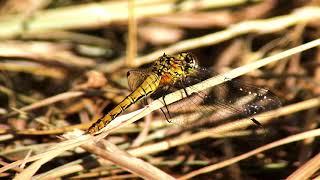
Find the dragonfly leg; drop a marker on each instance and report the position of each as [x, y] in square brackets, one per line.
[185, 91]
[166, 106]
[256, 122]
[184, 87]
[165, 115]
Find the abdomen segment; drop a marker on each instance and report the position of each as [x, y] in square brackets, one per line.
[149, 85]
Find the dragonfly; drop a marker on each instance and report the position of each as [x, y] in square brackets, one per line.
[169, 73]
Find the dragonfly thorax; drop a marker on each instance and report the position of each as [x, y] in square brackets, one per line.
[174, 68]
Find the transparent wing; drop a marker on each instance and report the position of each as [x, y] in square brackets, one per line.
[236, 100]
[229, 101]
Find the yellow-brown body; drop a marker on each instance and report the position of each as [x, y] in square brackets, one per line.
[165, 71]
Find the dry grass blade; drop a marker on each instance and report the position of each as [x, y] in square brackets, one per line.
[99, 14]
[44, 52]
[75, 140]
[263, 119]
[32, 68]
[257, 26]
[290, 139]
[52, 152]
[46, 102]
[132, 39]
[122, 159]
[126, 161]
[306, 170]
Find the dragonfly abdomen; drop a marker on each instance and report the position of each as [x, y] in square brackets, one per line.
[149, 85]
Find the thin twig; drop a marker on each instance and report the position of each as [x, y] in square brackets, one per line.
[287, 140]
[263, 119]
[254, 26]
[99, 15]
[306, 170]
[132, 35]
[46, 102]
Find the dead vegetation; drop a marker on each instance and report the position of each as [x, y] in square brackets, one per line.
[64, 62]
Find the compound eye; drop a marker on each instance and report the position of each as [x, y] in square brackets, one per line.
[190, 59]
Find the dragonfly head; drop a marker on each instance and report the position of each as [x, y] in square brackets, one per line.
[173, 68]
[189, 62]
